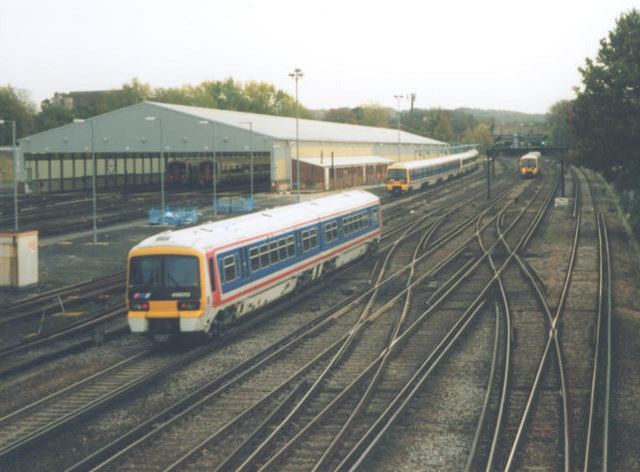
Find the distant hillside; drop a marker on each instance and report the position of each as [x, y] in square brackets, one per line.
[504, 116]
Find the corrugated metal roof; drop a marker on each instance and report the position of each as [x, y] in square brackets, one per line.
[284, 128]
[348, 161]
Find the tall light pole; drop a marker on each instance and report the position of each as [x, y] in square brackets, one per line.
[398, 98]
[159, 120]
[250, 123]
[15, 172]
[93, 176]
[296, 75]
[214, 175]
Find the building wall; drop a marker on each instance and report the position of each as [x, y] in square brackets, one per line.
[314, 149]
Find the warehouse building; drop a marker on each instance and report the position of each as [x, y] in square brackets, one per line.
[127, 148]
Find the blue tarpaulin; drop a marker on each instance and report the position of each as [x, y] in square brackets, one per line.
[174, 216]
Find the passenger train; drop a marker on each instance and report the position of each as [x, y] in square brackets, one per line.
[196, 280]
[404, 177]
[529, 165]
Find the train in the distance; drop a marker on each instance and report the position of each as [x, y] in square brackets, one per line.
[230, 170]
[529, 165]
[404, 177]
[198, 279]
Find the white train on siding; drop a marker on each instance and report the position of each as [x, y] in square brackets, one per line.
[196, 279]
[404, 177]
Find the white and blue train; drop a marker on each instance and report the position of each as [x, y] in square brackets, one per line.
[198, 279]
[403, 177]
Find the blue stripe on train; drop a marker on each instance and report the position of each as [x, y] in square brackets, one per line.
[246, 276]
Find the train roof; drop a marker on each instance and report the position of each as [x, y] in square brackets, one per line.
[531, 155]
[434, 161]
[228, 232]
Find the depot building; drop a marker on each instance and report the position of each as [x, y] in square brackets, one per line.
[133, 145]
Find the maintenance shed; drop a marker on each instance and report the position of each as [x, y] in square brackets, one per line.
[128, 151]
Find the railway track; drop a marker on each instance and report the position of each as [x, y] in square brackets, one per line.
[19, 444]
[39, 430]
[112, 457]
[104, 326]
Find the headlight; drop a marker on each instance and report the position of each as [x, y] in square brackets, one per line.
[139, 306]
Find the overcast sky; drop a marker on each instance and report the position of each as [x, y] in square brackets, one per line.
[512, 55]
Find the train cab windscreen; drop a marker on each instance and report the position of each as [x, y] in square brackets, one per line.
[162, 277]
[528, 163]
[397, 174]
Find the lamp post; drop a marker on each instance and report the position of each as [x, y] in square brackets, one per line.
[15, 172]
[93, 176]
[213, 169]
[398, 98]
[250, 123]
[159, 120]
[296, 75]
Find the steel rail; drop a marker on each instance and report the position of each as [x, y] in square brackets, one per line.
[378, 430]
[552, 336]
[337, 357]
[487, 396]
[596, 350]
[424, 240]
[256, 453]
[506, 366]
[394, 345]
[606, 421]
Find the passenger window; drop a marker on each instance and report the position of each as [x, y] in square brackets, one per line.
[282, 244]
[264, 255]
[309, 239]
[291, 248]
[273, 252]
[254, 259]
[229, 268]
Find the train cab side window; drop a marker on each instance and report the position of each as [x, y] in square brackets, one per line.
[229, 268]
[375, 217]
[212, 275]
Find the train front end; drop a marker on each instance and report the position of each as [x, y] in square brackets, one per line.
[397, 180]
[529, 167]
[166, 291]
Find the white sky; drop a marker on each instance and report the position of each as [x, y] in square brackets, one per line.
[512, 55]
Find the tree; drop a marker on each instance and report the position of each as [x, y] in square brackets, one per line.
[16, 105]
[481, 135]
[607, 105]
[558, 119]
[52, 115]
[373, 114]
[443, 130]
[341, 115]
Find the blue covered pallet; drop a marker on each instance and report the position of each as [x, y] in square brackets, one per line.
[234, 204]
[174, 216]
